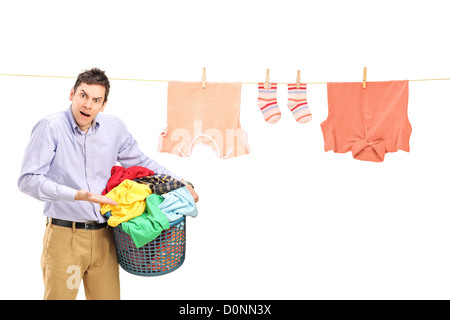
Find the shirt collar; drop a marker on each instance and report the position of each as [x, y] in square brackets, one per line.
[73, 124]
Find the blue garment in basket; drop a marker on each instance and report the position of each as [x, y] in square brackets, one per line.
[178, 203]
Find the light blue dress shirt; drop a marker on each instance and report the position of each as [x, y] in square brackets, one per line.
[61, 159]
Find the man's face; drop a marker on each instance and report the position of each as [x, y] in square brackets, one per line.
[87, 102]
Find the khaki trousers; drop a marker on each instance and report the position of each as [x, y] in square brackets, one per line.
[71, 255]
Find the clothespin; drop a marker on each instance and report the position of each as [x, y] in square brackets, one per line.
[298, 79]
[267, 84]
[203, 78]
[364, 77]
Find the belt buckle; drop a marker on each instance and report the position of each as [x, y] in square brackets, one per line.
[89, 225]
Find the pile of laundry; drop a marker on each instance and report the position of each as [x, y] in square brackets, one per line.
[147, 202]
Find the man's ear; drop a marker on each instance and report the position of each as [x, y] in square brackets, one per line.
[103, 107]
[72, 92]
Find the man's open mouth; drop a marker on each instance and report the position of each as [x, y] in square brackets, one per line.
[85, 114]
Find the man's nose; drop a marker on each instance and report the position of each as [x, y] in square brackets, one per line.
[88, 104]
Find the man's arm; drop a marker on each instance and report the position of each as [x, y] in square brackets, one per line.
[39, 154]
[131, 155]
[33, 179]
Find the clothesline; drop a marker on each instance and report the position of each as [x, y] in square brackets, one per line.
[150, 80]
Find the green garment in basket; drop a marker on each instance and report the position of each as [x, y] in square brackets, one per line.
[149, 225]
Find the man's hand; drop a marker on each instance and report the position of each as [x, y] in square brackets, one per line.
[84, 195]
[191, 190]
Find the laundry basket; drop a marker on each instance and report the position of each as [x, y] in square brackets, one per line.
[164, 254]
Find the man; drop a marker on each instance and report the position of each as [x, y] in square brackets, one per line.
[67, 164]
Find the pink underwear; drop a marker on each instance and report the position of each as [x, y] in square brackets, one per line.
[208, 116]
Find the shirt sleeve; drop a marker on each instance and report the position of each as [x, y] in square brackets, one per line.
[131, 155]
[39, 154]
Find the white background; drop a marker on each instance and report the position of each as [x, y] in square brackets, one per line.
[288, 221]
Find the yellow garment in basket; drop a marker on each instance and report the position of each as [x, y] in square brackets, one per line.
[130, 197]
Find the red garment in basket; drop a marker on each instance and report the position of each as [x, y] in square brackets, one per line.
[118, 174]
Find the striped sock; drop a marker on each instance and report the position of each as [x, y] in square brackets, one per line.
[267, 103]
[297, 103]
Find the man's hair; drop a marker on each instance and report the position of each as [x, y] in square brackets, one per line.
[93, 76]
